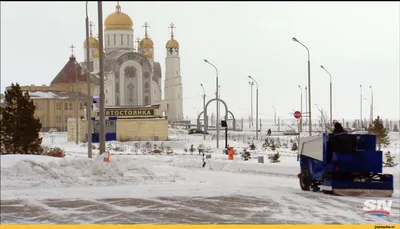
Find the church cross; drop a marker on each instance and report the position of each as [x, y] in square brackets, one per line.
[91, 25]
[146, 25]
[172, 27]
[72, 49]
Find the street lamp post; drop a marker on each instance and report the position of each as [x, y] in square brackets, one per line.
[330, 95]
[301, 109]
[101, 60]
[305, 89]
[89, 101]
[274, 115]
[204, 109]
[256, 106]
[251, 96]
[217, 98]
[372, 105]
[361, 104]
[309, 86]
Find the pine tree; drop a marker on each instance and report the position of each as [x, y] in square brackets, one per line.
[347, 124]
[395, 128]
[382, 138]
[19, 128]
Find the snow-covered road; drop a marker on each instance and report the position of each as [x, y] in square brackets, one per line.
[168, 190]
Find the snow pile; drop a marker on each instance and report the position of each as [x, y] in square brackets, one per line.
[20, 171]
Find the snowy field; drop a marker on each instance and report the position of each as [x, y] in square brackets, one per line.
[172, 189]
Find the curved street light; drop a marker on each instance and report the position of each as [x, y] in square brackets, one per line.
[256, 106]
[330, 94]
[217, 98]
[309, 85]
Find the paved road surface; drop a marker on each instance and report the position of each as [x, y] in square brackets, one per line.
[167, 210]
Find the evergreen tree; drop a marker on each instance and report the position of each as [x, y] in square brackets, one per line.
[19, 128]
[395, 128]
[382, 138]
[390, 125]
[347, 124]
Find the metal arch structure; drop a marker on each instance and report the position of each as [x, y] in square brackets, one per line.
[205, 116]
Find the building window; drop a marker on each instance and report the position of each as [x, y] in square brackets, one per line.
[127, 38]
[108, 40]
[167, 106]
[122, 39]
[115, 39]
[106, 91]
[58, 105]
[70, 106]
[65, 106]
[146, 86]
[106, 101]
[146, 100]
[81, 105]
[58, 119]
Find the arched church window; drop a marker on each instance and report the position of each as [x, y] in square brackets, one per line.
[127, 38]
[108, 39]
[122, 39]
[115, 39]
[170, 50]
[146, 86]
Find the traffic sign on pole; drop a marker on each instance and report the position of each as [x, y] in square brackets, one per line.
[297, 114]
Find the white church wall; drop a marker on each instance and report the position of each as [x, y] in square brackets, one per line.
[137, 81]
[113, 39]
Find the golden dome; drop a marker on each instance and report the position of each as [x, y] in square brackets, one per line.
[96, 54]
[93, 43]
[172, 44]
[118, 20]
[146, 43]
[148, 54]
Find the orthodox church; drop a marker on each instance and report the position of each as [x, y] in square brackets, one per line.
[132, 76]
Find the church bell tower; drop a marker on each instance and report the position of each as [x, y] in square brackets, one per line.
[173, 81]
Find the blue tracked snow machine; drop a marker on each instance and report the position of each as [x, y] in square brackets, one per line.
[344, 164]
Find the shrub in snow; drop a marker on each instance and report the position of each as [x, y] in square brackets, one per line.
[273, 145]
[192, 149]
[185, 149]
[201, 148]
[252, 146]
[274, 158]
[389, 160]
[246, 155]
[295, 147]
[53, 152]
[169, 150]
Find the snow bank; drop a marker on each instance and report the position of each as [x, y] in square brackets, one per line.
[26, 171]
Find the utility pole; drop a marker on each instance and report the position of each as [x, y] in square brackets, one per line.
[330, 96]
[306, 103]
[361, 99]
[89, 101]
[251, 112]
[101, 60]
[204, 109]
[372, 105]
[301, 109]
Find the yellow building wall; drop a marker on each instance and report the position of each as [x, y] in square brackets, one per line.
[142, 129]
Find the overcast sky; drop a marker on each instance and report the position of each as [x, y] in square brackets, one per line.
[358, 43]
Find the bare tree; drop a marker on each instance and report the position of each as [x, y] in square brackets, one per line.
[325, 125]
